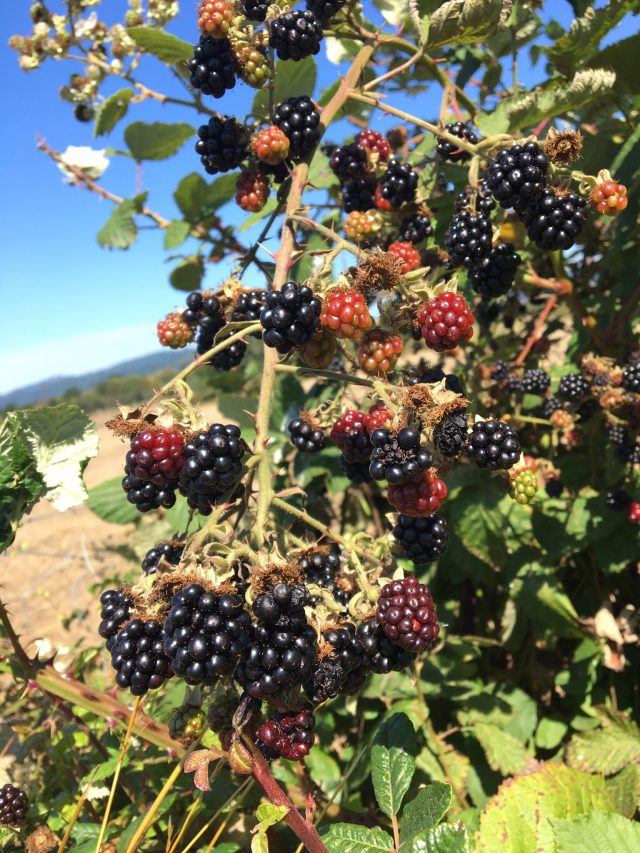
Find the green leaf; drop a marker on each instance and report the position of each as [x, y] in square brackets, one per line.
[446, 838]
[392, 762]
[550, 732]
[606, 750]
[426, 810]
[21, 484]
[113, 109]
[109, 502]
[161, 44]
[267, 210]
[624, 790]
[156, 141]
[188, 274]
[176, 233]
[464, 22]
[621, 57]
[190, 195]
[291, 79]
[600, 832]
[324, 770]
[351, 838]
[269, 815]
[120, 230]
[505, 753]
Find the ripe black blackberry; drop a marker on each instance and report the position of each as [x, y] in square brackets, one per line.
[551, 405]
[513, 383]
[320, 568]
[421, 539]
[397, 458]
[205, 634]
[304, 437]
[495, 275]
[416, 228]
[278, 173]
[629, 452]
[13, 805]
[468, 238]
[554, 221]
[356, 471]
[330, 674]
[324, 10]
[227, 358]
[116, 609]
[573, 387]
[554, 487]
[618, 435]
[429, 375]
[280, 656]
[517, 175]
[382, 655]
[299, 119]
[398, 184]
[295, 35]
[493, 445]
[170, 551]
[450, 434]
[500, 371]
[358, 195]
[84, 112]
[535, 381]
[448, 150]
[617, 499]
[631, 377]
[213, 68]
[348, 162]
[147, 496]
[483, 199]
[255, 10]
[407, 614]
[205, 311]
[138, 657]
[248, 307]
[212, 466]
[223, 144]
[289, 317]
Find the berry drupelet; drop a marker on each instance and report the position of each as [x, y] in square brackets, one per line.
[450, 434]
[416, 228]
[156, 456]
[494, 275]
[304, 436]
[535, 381]
[573, 387]
[138, 657]
[445, 321]
[407, 614]
[448, 150]
[398, 184]
[287, 735]
[213, 466]
[299, 119]
[358, 195]
[223, 144]
[147, 496]
[205, 634]
[553, 221]
[116, 609]
[631, 377]
[399, 457]
[171, 552]
[493, 445]
[295, 35]
[468, 238]
[349, 162]
[517, 175]
[421, 539]
[13, 805]
[213, 68]
[289, 317]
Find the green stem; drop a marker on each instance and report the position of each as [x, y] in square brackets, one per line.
[300, 370]
[329, 234]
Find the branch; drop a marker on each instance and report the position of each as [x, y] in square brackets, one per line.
[551, 303]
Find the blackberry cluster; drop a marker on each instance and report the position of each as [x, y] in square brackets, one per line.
[146, 496]
[348, 162]
[407, 614]
[255, 10]
[330, 675]
[573, 387]
[358, 195]
[631, 377]
[280, 656]
[416, 228]
[398, 184]
[212, 467]
[554, 221]
[223, 144]
[213, 67]
[484, 202]
[495, 274]
[138, 657]
[554, 487]
[248, 307]
[422, 539]
[321, 568]
[382, 655]
[171, 552]
[397, 458]
[324, 10]
[468, 238]
[305, 437]
[13, 805]
[517, 175]
[448, 150]
[290, 316]
[116, 609]
[299, 120]
[493, 445]
[156, 456]
[295, 35]
[450, 434]
[617, 499]
[205, 634]
[550, 405]
[287, 735]
[535, 381]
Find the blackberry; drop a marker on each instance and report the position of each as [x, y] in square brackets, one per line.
[436, 374]
[357, 472]
[278, 173]
[629, 452]
[248, 307]
[299, 119]
[348, 162]
[535, 381]
[305, 437]
[573, 387]
[483, 199]
[587, 410]
[617, 499]
[84, 112]
[450, 434]
[468, 238]
[500, 371]
[156, 456]
[213, 67]
[398, 184]
[631, 377]
[204, 310]
[212, 467]
[549, 406]
[290, 316]
[330, 674]
[517, 175]
[416, 228]
[223, 144]
[138, 657]
[228, 358]
[397, 458]
[255, 10]
[554, 487]
[13, 805]
[493, 445]
[495, 274]
[170, 551]
[358, 195]
[116, 609]
[448, 150]
[287, 735]
[554, 221]
[513, 383]
[324, 10]
[421, 539]
[147, 496]
[382, 655]
[295, 35]
[280, 656]
[320, 568]
[407, 614]
[205, 634]
[618, 435]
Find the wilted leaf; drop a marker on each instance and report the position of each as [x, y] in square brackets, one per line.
[197, 762]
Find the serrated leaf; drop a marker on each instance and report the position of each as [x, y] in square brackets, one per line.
[624, 790]
[464, 21]
[112, 111]
[176, 233]
[21, 484]
[120, 230]
[291, 79]
[268, 814]
[161, 44]
[190, 195]
[621, 58]
[505, 753]
[351, 838]
[156, 141]
[600, 832]
[606, 750]
[426, 810]
[446, 838]
[392, 762]
[109, 502]
[188, 274]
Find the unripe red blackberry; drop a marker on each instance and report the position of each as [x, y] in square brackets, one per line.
[372, 141]
[398, 184]
[445, 321]
[358, 195]
[299, 119]
[349, 162]
[517, 175]
[397, 458]
[223, 144]
[421, 539]
[170, 552]
[252, 191]
[13, 805]
[495, 274]
[304, 436]
[346, 313]
[406, 254]
[448, 150]
[295, 35]
[408, 615]
[214, 17]
[271, 145]
[450, 434]
[416, 228]
[493, 445]
[213, 66]
[380, 202]
[289, 735]
[174, 332]
[468, 238]
[609, 198]
[147, 496]
[289, 317]
[378, 352]
[212, 466]
[156, 455]
[138, 657]
[116, 609]
[420, 497]
[554, 220]
[377, 417]
[351, 434]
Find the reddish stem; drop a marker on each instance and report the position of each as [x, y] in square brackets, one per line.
[551, 303]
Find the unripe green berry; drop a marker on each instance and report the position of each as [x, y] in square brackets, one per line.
[523, 486]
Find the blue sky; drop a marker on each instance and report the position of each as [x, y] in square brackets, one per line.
[70, 306]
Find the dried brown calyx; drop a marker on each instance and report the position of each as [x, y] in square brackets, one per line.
[563, 146]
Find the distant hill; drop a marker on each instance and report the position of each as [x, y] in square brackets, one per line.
[56, 386]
